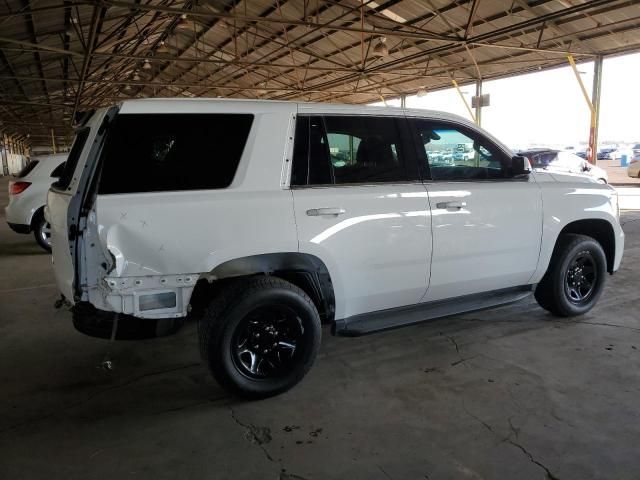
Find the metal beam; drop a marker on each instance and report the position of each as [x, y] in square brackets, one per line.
[595, 101]
[280, 21]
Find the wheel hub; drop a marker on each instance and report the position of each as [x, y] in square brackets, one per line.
[581, 277]
[265, 344]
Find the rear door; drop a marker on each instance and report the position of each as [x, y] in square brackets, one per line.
[487, 226]
[361, 208]
[66, 198]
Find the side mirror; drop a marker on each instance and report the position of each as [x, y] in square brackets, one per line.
[520, 166]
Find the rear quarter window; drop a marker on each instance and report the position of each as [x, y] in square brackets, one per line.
[170, 152]
[27, 169]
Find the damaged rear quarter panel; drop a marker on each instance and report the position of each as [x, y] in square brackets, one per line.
[158, 239]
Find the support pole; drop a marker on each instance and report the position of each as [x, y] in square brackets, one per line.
[464, 100]
[403, 101]
[595, 100]
[592, 150]
[478, 103]
[5, 161]
[53, 142]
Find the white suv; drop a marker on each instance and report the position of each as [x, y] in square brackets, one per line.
[28, 195]
[264, 219]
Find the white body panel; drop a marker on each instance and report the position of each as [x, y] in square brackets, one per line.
[379, 249]
[492, 242]
[568, 198]
[23, 206]
[390, 247]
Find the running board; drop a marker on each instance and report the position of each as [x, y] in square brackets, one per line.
[403, 316]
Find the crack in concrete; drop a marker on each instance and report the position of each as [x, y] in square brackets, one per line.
[256, 435]
[604, 324]
[462, 360]
[384, 472]
[550, 475]
[455, 344]
[94, 395]
[508, 439]
[259, 436]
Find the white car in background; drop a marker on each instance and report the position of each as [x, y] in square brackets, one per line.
[28, 195]
[563, 162]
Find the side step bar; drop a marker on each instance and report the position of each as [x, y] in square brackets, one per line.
[400, 317]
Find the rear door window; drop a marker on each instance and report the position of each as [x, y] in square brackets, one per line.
[351, 150]
[171, 152]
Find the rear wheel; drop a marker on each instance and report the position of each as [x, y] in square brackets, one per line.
[575, 278]
[260, 336]
[42, 231]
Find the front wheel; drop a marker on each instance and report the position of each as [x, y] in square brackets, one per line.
[260, 336]
[575, 278]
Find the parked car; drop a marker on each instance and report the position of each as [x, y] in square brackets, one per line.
[564, 162]
[606, 153]
[28, 195]
[633, 170]
[233, 212]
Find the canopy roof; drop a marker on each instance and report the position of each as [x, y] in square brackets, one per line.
[58, 57]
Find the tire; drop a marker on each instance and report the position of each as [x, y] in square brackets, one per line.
[42, 231]
[243, 319]
[575, 278]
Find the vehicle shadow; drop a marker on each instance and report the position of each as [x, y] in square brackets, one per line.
[21, 249]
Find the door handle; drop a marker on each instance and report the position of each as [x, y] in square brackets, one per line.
[331, 211]
[454, 204]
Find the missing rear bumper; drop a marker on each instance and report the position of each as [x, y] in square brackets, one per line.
[98, 323]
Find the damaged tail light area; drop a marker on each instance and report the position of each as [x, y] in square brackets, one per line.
[16, 188]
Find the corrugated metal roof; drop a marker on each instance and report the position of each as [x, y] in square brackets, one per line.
[57, 57]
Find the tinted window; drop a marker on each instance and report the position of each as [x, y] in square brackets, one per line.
[151, 153]
[350, 149]
[72, 159]
[456, 153]
[27, 169]
[57, 172]
[543, 159]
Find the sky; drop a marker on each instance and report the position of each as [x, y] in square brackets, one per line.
[548, 108]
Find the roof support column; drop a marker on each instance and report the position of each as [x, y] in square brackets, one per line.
[464, 100]
[403, 101]
[5, 162]
[595, 111]
[478, 102]
[593, 103]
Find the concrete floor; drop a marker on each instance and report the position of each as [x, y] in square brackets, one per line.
[507, 393]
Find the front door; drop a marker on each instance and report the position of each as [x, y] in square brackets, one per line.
[487, 225]
[361, 208]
